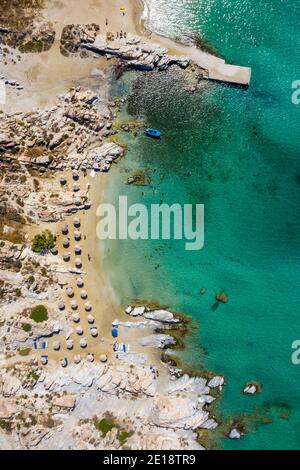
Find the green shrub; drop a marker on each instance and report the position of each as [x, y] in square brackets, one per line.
[105, 424]
[39, 314]
[26, 327]
[18, 292]
[123, 436]
[24, 352]
[43, 241]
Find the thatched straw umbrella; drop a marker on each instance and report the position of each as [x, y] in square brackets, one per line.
[79, 330]
[75, 175]
[61, 305]
[77, 359]
[91, 319]
[94, 332]
[79, 282]
[66, 256]
[70, 344]
[74, 305]
[56, 345]
[78, 263]
[83, 294]
[103, 358]
[83, 343]
[90, 357]
[66, 242]
[76, 318]
[77, 235]
[76, 222]
[70, 292]
[77, 249]
[64, 362]
[65, 229]
[88, 307]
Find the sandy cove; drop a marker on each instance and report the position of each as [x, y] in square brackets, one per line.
[39, 74]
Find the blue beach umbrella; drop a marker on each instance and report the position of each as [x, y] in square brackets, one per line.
[114, 333]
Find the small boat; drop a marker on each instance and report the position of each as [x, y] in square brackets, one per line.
[154, 133]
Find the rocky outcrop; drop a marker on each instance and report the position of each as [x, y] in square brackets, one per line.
[66, 136]
[133, 50]
[128, 394]
[252, 388]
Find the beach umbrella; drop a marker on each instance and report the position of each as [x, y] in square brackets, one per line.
[54, 250]
[77, 249]
[76, 187]
[70, 344]
[114, 333]
[70, 292]
[61, 305]
[91, 319]
[79, 282]
[115, 323]
[74, 305]
[78, 263]
[56, 345]
[34, 361]
[65, 229]
[103, 358]
[44, 360]
[66, 256]
[79, 330]
[64, 362]
[75, 175]
[88, 307]
[76, 318]
[90, 357]
[66, 242]
[94, 332]
[77, 359]
[62, 180]
[76, 222]
[83, 343]
[83, 294]
[77, 235]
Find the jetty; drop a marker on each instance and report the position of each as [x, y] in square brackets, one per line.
[139, 53]
[217, 69]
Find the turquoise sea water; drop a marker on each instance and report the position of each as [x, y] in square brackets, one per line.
[236, 151]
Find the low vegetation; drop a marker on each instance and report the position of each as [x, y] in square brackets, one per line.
[43, 241]
[107, 423]
[17, 14]
[25, 351]
[39, 314]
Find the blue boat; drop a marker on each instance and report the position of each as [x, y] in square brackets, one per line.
[154, 133]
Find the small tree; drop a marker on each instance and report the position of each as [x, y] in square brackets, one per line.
[39, 314]
[43, 241]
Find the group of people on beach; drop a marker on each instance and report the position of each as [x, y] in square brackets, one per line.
[155, 372]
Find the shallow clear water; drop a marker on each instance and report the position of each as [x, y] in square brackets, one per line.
[237, 152]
